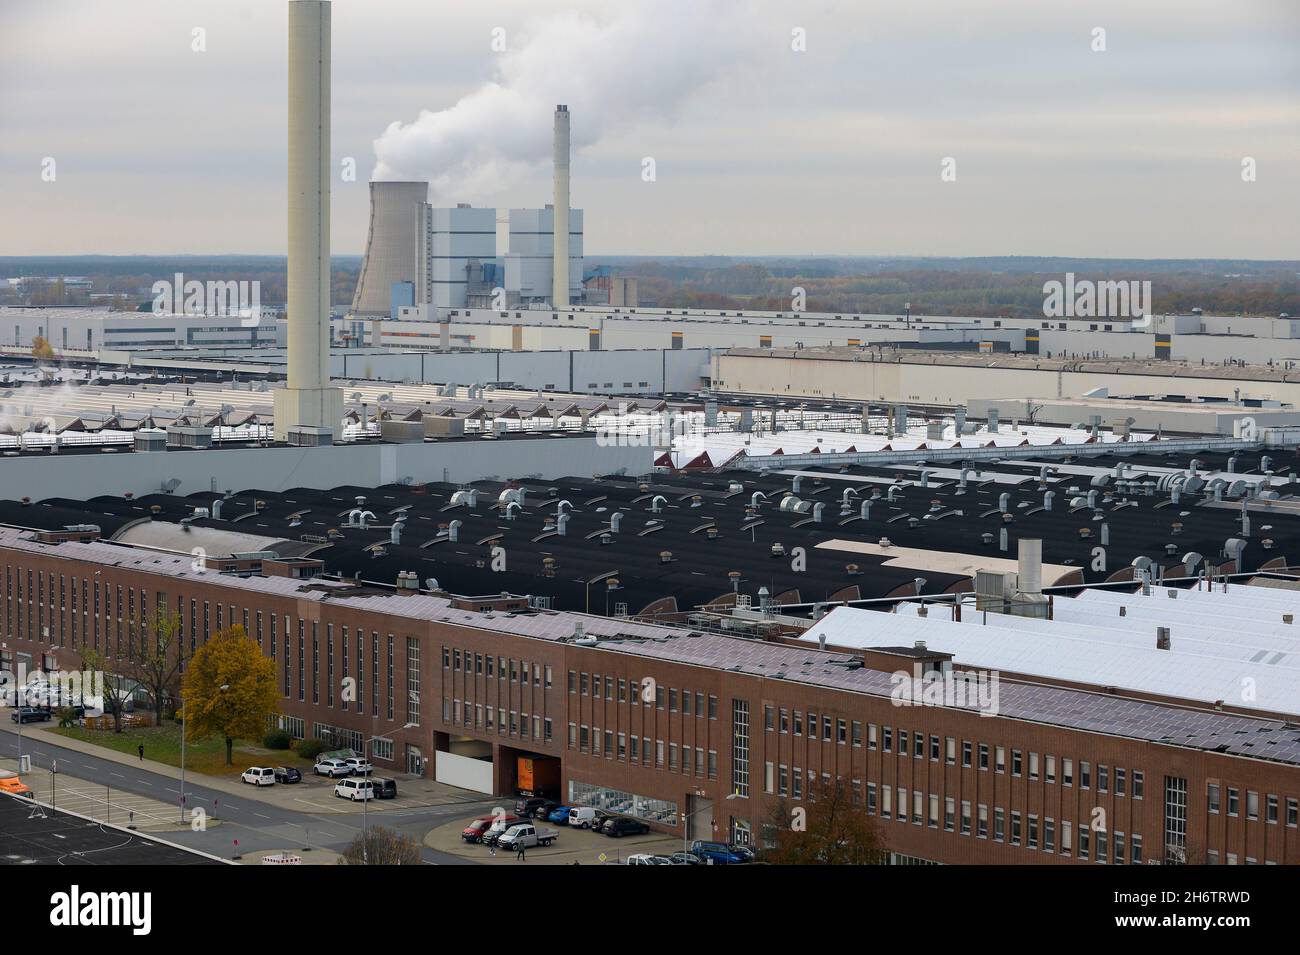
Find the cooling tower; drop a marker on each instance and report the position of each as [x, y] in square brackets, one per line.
[394, 246]
[560, 228]
[308, 400]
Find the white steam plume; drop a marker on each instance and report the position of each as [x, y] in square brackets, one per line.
[642, 64]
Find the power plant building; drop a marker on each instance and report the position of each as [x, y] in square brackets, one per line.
[530, 259]
[450, 254]
[460, 242]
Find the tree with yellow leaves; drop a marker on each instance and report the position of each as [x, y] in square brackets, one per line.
[42, 349]
[229, 689]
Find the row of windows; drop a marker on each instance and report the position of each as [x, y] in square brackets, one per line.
[648, 691]
[1027, 830]
[918, 745]
[643, 750]
[1215, 805]
[491, 718]
[480, 664]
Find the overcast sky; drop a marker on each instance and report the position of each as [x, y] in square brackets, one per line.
[758, 148]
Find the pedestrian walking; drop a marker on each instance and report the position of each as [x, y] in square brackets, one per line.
[521, 854]
[492, 849]
[141, 751]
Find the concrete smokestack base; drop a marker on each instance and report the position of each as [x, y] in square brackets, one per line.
[317, 407]
[308, 399]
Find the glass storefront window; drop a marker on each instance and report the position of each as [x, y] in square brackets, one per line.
[658, 811]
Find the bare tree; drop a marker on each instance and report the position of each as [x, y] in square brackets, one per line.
[381, 846]
[157, 656]
[117, 689]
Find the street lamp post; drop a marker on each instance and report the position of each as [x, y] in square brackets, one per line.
[185, 719]
[366, 750]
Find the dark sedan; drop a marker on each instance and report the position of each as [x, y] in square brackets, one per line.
[620, 826]
[287, 774]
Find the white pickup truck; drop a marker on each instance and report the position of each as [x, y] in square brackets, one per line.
[526, 835]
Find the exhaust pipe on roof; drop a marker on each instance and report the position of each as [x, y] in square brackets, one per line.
[1030, 565]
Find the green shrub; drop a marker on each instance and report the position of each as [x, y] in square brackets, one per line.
[311, 748]
[277, 739]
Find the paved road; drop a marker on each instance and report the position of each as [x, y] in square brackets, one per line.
[257, 825]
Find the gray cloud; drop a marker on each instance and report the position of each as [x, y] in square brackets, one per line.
[1135, 151]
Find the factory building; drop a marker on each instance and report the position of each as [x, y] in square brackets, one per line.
[734, 730]
[89, 332]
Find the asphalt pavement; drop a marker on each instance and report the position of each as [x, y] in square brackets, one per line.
[247, 825]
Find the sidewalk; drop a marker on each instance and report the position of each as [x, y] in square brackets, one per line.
[312, 795]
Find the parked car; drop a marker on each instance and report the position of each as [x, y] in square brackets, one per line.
[585, 817]
[745, 852]
[384, 788]
[475, 831]
[559, 815]
[287, 774]
[331, 768]
[644, 858]
[717, 853]
[685, 858]
[527, 835]
[359, 765]
[258, 776]
[526, 806]
[499, 828]
[619, 826]
[354, 789]
[30, 714]
[544, 811]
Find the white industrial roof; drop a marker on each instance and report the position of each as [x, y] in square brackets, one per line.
[722, 446]
[1087, 621]
[1063, 651]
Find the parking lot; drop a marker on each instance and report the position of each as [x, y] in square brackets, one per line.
[580, 846]
[316, 794]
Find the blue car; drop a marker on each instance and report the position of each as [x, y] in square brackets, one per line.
[718, 853]
[559, 815]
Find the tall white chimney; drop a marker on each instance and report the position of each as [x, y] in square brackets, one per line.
[308, 399]
[560, 229]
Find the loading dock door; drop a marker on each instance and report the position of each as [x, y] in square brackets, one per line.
[699, 824]
[464, 772]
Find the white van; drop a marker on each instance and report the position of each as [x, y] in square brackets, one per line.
[259, 776]
[583, 817]
[354, 789]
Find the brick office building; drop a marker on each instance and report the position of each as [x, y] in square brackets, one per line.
[671, 724]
